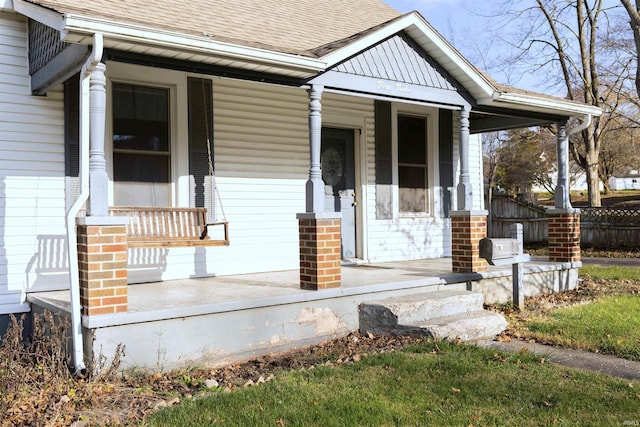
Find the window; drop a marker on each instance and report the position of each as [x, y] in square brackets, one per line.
[412, 164]
[141, 146]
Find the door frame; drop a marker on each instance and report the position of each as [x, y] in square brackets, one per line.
[346, 119]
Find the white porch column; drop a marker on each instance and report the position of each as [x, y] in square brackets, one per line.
[465, 189]
[315, 185]
[562, 200]
[97, 205]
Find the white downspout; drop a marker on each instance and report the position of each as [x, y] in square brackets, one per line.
[586, 121]
[72, 249]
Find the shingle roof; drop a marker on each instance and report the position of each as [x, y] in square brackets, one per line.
[290, 26]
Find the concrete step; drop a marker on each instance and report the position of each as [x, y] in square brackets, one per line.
[418, 308]
[470, 326]
[442, 314]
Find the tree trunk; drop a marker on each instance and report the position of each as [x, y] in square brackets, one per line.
[593, 180]
[634, 21]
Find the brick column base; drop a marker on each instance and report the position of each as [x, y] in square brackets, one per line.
[467, 228]
[564, 235]
[320, 254]
[102, 262]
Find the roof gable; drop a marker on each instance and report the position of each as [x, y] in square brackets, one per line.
[398, 59]
[396, 67]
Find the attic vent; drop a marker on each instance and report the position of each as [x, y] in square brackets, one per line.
[44, 45]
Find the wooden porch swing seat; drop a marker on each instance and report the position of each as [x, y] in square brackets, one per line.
[159, 227]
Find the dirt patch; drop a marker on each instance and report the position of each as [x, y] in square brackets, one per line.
[39, 391]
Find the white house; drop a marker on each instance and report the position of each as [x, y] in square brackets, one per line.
[630, 181]
[308, 112]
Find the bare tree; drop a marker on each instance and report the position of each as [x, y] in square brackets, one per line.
[569, 39]
[634, 21]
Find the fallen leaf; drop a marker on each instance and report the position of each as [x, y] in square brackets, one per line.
[504, 338]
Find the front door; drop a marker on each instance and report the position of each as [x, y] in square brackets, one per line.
[338, 173]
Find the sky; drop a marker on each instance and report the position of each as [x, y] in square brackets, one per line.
[469, 26]
[462, 23]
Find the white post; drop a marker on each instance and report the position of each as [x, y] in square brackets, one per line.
[98, 203]
[562, 199]
[315, 185]
[465, 189]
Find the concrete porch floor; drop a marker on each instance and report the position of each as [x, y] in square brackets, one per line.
[217, 319]
[192, 297]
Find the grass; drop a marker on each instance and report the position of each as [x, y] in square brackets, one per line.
[610, 325]
[601, 316]
[597, 272]
[428, 384]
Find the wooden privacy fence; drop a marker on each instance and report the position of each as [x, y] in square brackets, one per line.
[599, 227]
[506, 211]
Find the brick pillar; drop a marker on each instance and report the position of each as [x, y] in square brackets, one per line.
[564, 235]
[467, 228]
[102, 262]
[320, 254]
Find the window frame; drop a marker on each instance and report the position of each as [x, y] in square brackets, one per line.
[430, 115]
[176, 84]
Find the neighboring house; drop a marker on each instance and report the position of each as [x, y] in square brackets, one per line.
[630, 181]
[340, 111]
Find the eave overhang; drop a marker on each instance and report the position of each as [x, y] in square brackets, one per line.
[163, 43]
[540, 104]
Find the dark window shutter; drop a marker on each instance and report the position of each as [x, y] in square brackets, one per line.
[201, 131]
[383, 160]
[72, 126]
[445, 126]
[72, 139]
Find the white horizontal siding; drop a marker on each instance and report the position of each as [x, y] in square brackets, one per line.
[475, 170]
[404, 238]
[262, 161]
[261, 153]
[32, 252]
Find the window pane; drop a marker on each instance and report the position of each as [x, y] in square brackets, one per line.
[140, 118]
[412, 140]
[140, 167]
[413, 189]
[141, 160]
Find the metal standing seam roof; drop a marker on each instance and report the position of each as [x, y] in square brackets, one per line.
[287, 26]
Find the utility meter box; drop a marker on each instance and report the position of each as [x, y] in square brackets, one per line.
[499, 251]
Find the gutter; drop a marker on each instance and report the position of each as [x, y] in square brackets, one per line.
[543, 104]
[76, 316]
[586, 121]
[76, 27]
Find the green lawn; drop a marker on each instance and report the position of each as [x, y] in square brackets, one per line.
[598, 272]
[608, 322]
[428, 384]
[610, 325]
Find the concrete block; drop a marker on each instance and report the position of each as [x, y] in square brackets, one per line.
[416, 308]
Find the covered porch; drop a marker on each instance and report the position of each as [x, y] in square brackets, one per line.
[215, 320]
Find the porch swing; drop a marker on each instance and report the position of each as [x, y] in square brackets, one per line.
[159, 227]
